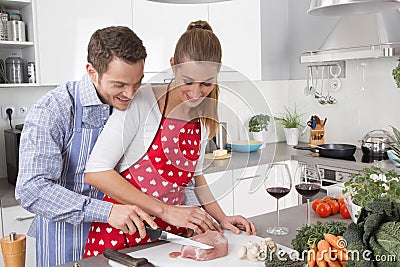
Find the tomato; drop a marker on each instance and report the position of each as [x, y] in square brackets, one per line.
[315, 204]
[344, 212]
[326, 198]
[334, 206]
[324, 210]
[341, 201]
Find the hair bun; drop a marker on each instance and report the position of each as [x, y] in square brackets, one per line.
[200, 24]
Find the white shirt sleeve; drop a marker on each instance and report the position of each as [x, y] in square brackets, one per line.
[118, 133]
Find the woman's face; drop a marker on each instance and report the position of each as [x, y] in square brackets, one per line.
[195, 81]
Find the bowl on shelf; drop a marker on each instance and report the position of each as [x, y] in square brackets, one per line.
[245, 145]
[393, 158]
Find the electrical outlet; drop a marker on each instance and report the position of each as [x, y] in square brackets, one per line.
[4, 113]
[19, 111]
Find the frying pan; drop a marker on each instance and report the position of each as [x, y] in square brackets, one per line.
[338, 151]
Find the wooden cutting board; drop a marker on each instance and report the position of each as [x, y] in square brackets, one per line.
[158, 255]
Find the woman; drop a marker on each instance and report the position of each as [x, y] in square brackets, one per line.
[158, 145]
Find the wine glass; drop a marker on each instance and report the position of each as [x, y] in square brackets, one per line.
[278, 184]
[308, 183]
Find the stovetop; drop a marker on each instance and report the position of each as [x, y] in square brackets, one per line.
[358, 162]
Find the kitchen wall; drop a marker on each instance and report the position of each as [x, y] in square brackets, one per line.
[19, 95]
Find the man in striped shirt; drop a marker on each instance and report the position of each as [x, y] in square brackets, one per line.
[59, 133]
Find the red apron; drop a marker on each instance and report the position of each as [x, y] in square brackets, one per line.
[163, 172]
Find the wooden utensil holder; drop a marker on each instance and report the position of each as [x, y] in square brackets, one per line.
[317, 137]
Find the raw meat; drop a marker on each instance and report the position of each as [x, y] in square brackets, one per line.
[212, 238]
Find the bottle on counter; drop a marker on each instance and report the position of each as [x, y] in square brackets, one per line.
[15, 69]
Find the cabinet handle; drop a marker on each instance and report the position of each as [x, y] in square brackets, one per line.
[249, 177]
[25, 218]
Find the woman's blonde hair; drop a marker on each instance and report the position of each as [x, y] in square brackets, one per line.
[199, 43]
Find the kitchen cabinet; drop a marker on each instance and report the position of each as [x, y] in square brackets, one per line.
[17, 219]
[250, 197]
[221, 186]
[236, 23]
[160, 25]
[238, 27]
[26, 50]
[64, 30]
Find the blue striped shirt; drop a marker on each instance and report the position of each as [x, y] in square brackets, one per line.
[47, 131]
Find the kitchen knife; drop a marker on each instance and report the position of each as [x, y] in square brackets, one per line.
[125, 259]
[163, 235]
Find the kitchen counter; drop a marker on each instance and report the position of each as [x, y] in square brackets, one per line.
[272, 153]
[261, 222]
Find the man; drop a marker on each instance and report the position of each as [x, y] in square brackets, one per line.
[57, 138]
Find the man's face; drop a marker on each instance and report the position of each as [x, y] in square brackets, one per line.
[119, 83]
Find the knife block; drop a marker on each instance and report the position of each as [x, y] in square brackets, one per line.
[317, 136]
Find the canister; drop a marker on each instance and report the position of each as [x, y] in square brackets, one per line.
[3, 25]
[14, 69]
[16, 30]
[31, 72]
[221, 136]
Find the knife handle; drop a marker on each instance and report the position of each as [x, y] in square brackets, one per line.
[154, 234]
[123, 258]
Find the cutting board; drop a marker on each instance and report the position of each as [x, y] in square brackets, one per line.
[158, 255]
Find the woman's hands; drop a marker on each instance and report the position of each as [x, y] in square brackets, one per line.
[193, 218]
[238, 223]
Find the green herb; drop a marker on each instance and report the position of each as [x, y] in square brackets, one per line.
[394, 143]
[259, 123]
[308, 236]
[290, 118]
[373, 183]
[396, 75]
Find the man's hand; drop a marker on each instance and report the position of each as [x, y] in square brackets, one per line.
[129, 219]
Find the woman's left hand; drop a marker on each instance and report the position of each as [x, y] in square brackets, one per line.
[238, 223]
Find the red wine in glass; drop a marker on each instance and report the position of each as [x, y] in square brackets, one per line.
[308, 190]
[278, 183]
[278, 192]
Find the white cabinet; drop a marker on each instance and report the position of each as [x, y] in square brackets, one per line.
[17, 219]
[238, 27]
[64, 30]
[236, 23]
[25, 50]
[160, 25]
[250, 197]
[221, 186]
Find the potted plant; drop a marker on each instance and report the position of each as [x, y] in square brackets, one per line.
[394, 145]
[368, 185]
[291, 122]
[396, 75]
[258, 126]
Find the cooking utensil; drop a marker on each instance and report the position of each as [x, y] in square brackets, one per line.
[323, 99]
[375, 143]
[339, 151]
[307, 89]
[126, 259]
[316, 93]
[163, 235]
[334, 83]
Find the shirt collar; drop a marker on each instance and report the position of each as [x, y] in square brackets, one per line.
[88, 93]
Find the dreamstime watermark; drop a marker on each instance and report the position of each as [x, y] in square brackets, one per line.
[332, 254]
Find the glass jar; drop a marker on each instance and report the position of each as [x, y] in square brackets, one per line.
[15, 69]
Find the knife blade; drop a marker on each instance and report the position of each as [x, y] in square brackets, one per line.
[163, 235]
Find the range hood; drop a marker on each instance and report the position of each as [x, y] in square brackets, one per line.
[360, 37]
